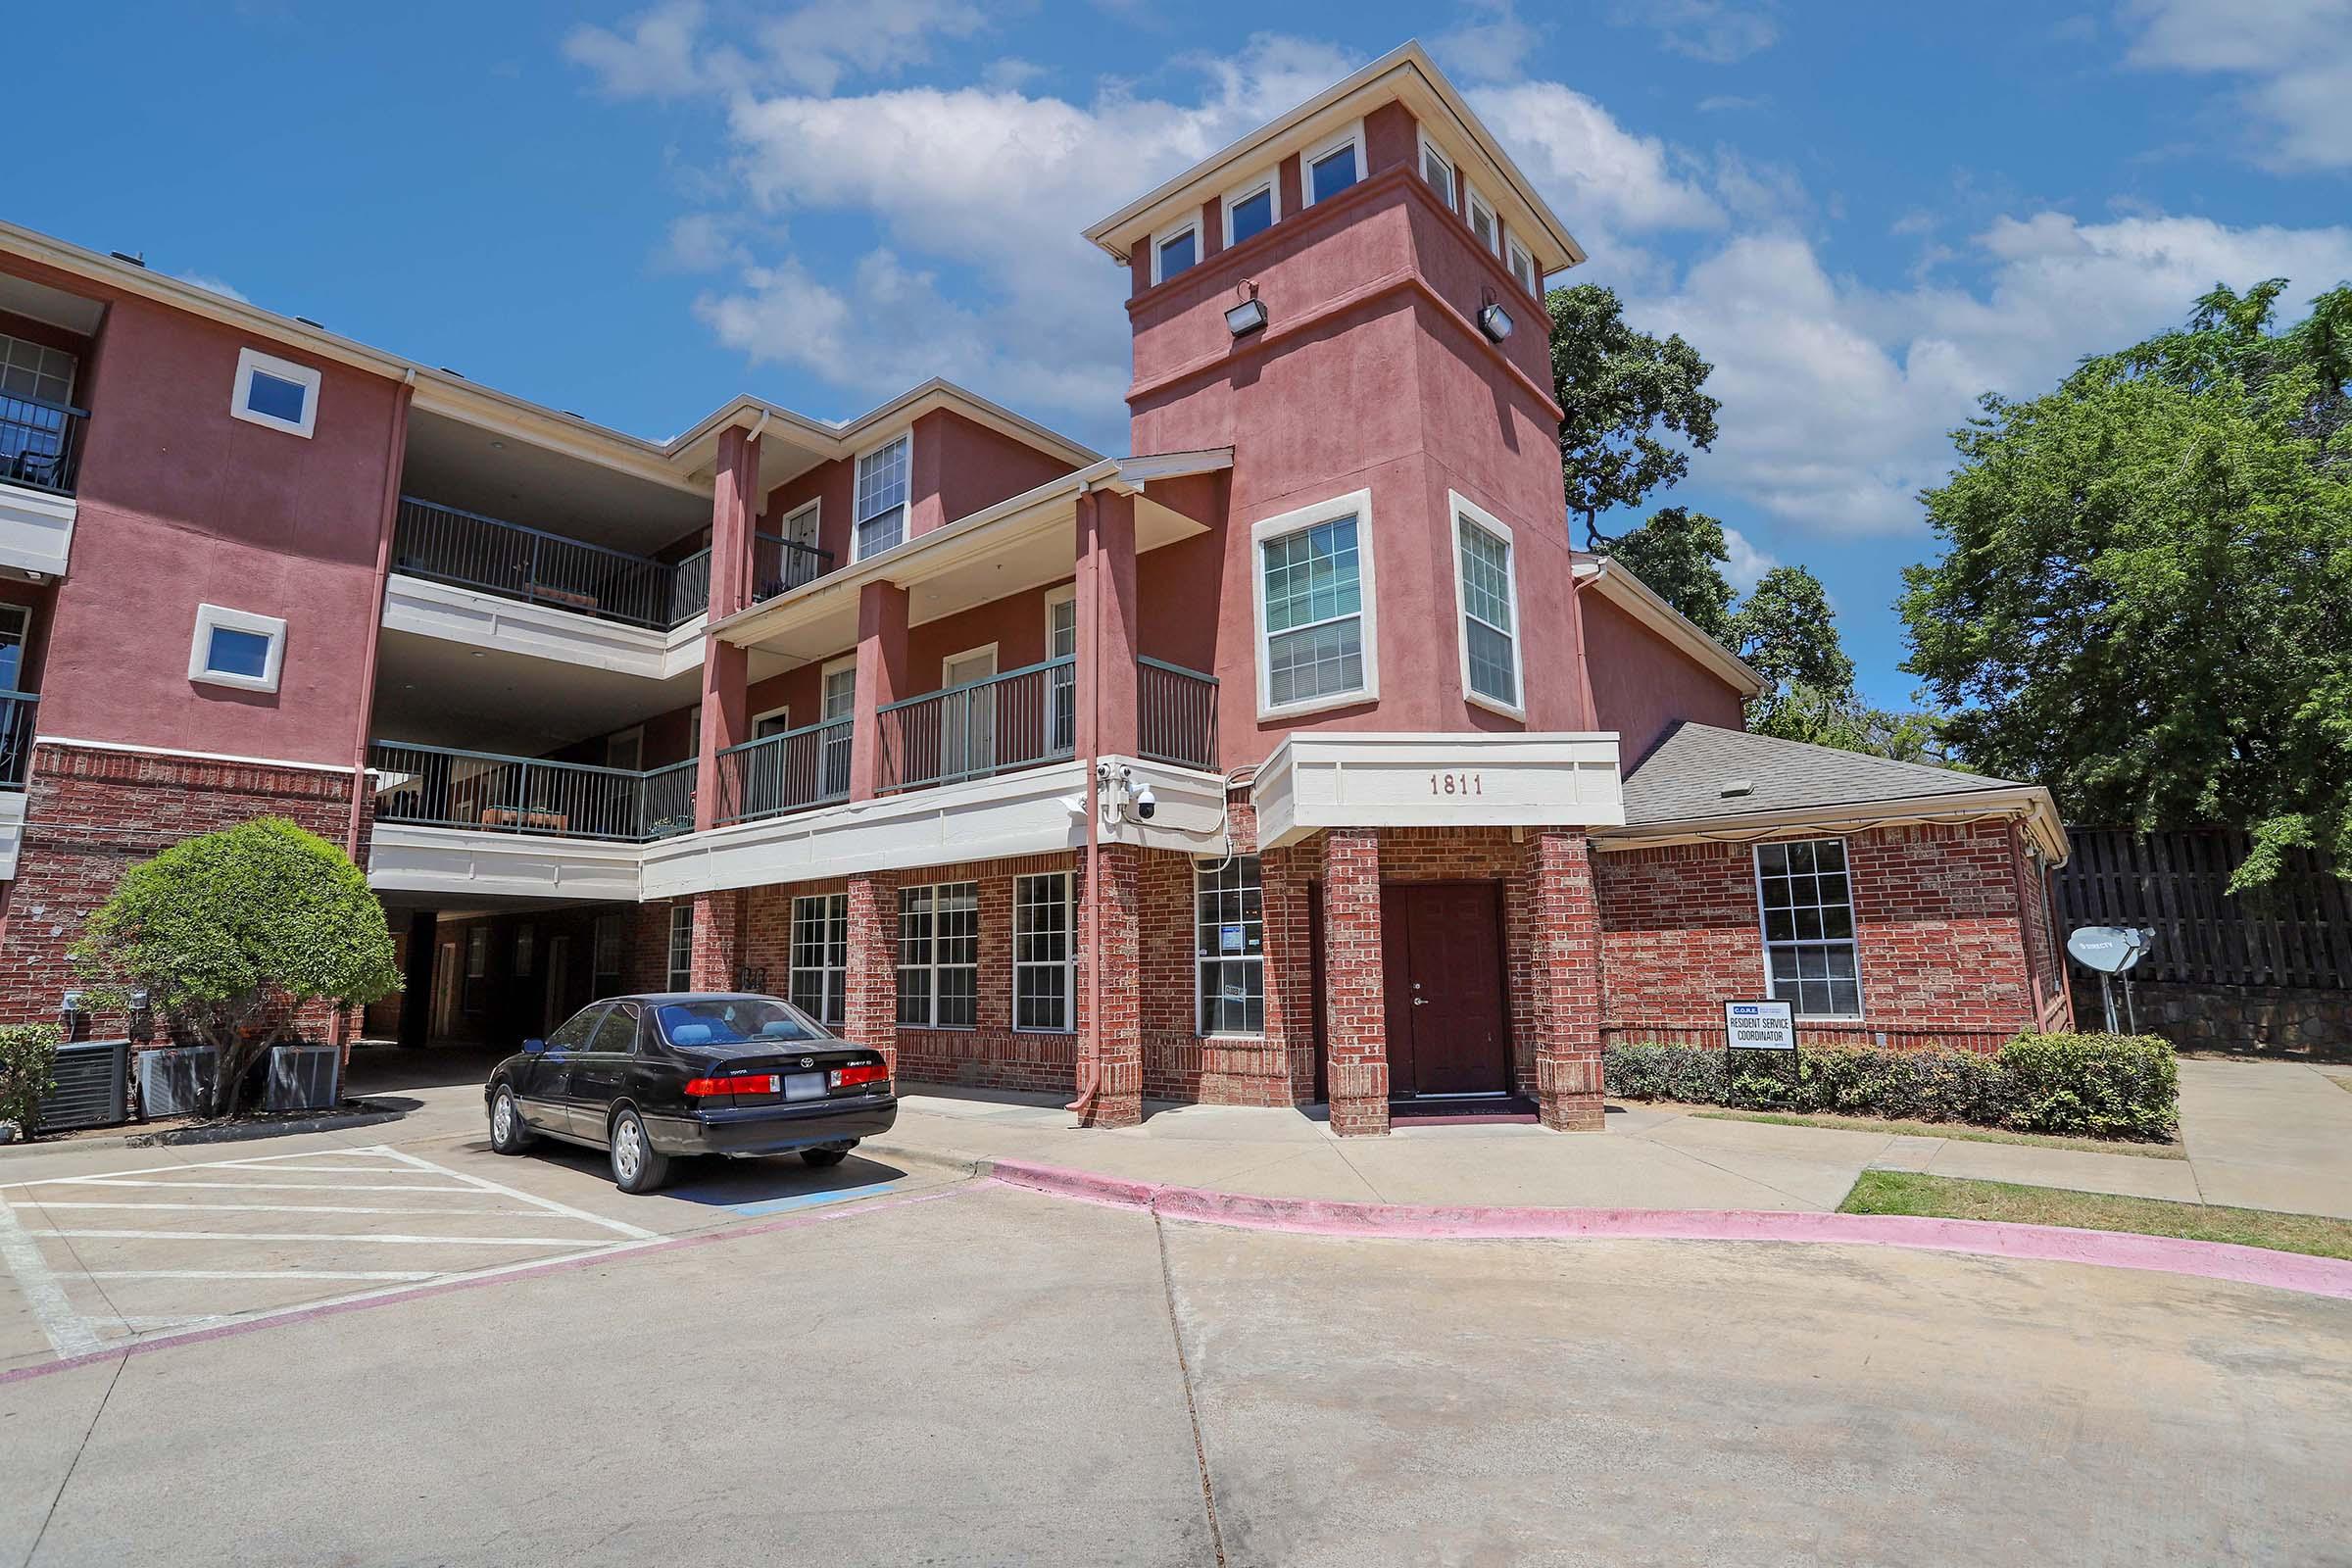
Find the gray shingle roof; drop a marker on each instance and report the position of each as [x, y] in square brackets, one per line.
[1683, 778]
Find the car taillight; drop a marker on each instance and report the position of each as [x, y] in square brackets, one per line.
[869, 1072]
[742, 1084]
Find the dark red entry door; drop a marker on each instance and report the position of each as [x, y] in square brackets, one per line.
[1442, 958]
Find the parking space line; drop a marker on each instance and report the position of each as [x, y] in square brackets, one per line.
[636, 1232]
[264, 1187]
[308, 1236]
[260, 1274]
[68, 1333]
[271, 1209]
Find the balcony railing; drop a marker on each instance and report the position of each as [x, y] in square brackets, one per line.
[776, 775]
[17, 709]
[1175, 714]
[41, 443]
[472, 550]
[436, 786]
[1016, 720]
[779, 565]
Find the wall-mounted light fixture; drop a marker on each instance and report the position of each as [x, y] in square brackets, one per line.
[1495, 321]
[1247, 317]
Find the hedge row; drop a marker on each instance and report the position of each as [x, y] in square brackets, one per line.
[2101, 1086]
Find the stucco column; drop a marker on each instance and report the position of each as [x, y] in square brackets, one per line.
[1356, 1024]
[881, 680]
[1107, 626]
[734, 517]
[1112, 1032]
[870, 998]
[717, 950]
[1567, 983]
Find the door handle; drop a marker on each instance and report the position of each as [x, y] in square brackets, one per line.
[1420, 1001]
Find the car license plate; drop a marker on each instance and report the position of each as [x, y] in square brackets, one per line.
[804, 1085]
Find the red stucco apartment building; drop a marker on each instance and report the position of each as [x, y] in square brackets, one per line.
[1295, 758]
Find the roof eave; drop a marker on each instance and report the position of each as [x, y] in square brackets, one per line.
[2028, 803]
[1642, 601]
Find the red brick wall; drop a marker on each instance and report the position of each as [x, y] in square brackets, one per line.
[1937, 920]
[1354, 999]
[91, 813]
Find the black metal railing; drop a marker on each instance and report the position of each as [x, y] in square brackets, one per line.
[1175, 714]
[779, 565]
[439, 785]
[41, 443]
[779, 774]
[17, 710]
[1016, 720]
[472, 551]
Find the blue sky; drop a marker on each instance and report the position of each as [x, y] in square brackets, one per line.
[1864, 213]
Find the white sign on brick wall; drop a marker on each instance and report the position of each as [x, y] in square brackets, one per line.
[1760, 1025]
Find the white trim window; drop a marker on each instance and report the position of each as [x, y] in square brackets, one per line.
[1437, 170]
[1486, 584]
[1229, 947]
[681, 947]
[939, 957]
[838, 700]
[881, 507]
[16, 635]
[34, 371]
[1522, 264]
[1484, 227]
[820, 956]
[1805, 901]
[1251, 208]
[1044, 953]
[1313, 591]
[1061, 681]
[276, 394]
[1329, 168]
[1176, 250]
[238, 647]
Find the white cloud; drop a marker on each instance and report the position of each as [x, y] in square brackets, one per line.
[703, 242]
[2294, 58]
[1728, 103]
[214, 285]
[655, 59]
[1746, 565]
[1493, 47]
[1596, 172]
[661, 52]
[1717, 31]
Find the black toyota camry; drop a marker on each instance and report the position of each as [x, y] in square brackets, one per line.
[651, 1078]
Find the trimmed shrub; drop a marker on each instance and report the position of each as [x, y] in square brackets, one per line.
[2103, 1085]
[27, 1072]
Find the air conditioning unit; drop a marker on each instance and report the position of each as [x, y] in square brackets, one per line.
[177, 1080]
[91, 1080]
[304, 1078]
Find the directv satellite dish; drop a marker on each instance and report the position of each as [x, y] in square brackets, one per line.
[2112, 949]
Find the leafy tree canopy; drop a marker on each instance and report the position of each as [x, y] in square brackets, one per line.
[230, 932]
[1624, 392]
[1786, 631]
[2144, 600]
[1681, 555]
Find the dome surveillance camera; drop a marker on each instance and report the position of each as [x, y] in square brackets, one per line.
[1146, 803]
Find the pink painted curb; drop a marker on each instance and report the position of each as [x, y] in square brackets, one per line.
[2049, 1243]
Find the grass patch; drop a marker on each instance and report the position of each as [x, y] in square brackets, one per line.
[1902, 1192]
[1948, 1129]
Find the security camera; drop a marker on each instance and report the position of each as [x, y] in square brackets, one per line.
[1146, 803]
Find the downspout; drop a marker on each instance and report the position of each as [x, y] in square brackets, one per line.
[1092, 626]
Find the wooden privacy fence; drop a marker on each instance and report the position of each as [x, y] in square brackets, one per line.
[2295, 932]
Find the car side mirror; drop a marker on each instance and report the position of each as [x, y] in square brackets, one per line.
[533, 1047]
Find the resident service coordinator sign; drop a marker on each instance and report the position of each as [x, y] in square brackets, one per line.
[1760, 1025]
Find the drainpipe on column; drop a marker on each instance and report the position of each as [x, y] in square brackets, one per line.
[1092, 652]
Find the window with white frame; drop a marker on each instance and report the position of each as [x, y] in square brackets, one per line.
[238, 647]
[820, 956]
[1484, 228]
[1251, 208]
[938, 955]
[1044, 924]
[277, 393]
[1335, 166]
[1522, 265]
[881, 513]
[1061, 681]
[16, 632]
[1807, 904]
[1229, 945]
[840, 706]
[35, 370]
[681, 947]
[1315, 606]
[1436, 169]
[1486, 589]
[1175, 250]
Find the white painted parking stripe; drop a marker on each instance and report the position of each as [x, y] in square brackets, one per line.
[261, 1187]
[69, 1332]
[550, 1204]
[308, 1236]
[261, 1170]
[411, 1275]
[275, 1209]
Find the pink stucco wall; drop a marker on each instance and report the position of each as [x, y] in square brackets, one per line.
[1642, 684]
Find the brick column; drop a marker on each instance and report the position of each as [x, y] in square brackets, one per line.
[1355, 1001]
[881, 680]
[1567, 984]
[1113, 1024]
[717, 950]
[870, 999]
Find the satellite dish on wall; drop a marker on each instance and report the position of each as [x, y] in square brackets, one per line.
[2109, 948]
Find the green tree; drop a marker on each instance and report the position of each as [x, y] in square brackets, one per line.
[2144, 600]
[27, 1072]
[1787, 633]
[1623, 391]
[231, 932]
[1681, 555]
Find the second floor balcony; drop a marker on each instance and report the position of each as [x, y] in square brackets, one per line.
[40, 444]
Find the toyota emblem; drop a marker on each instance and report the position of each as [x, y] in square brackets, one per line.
[807, 1061]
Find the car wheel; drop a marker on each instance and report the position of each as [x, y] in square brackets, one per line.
[637, 1165]
[821, 1157]
[507, 1133]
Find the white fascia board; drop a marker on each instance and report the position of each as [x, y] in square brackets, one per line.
[465, 863]
[37, 530]
[492, 621]
[1638, 600]
[2029, 804]
[12, 831]
[1466, 779]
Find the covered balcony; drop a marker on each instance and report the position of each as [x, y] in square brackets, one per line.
[48, 338]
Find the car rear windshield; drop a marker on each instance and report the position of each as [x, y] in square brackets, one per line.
[733, 1022]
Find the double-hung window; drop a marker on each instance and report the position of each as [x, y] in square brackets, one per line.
[938, 955]
[1316, 606]
[1807, 903]
[1042, 974]
[1487, 591]
[820, 956]
[881, 514]
[681, 947]
[1229, 945]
